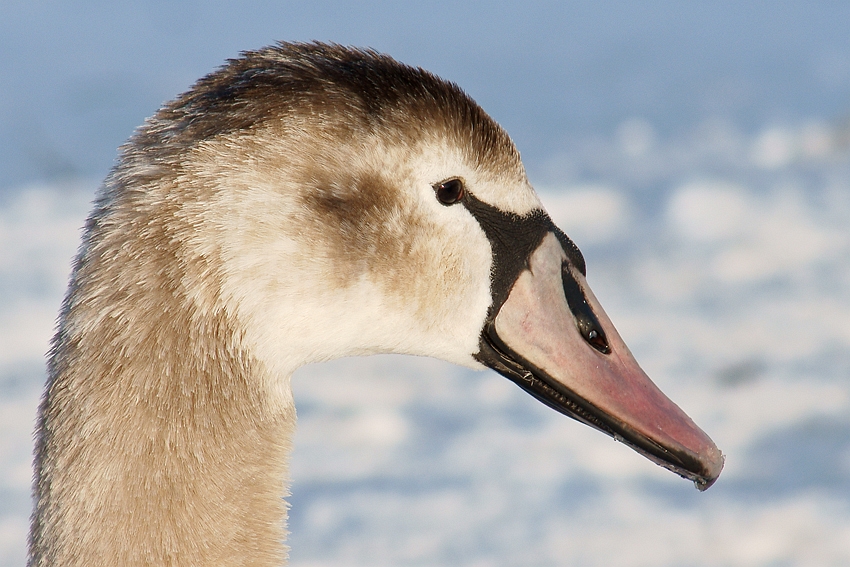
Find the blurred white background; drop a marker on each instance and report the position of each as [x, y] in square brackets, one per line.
[699, 156]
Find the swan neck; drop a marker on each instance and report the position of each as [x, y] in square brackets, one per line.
[156, 441]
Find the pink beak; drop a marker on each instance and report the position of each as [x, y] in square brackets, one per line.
[552, 337]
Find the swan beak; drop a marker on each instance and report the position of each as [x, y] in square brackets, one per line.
[552, 338]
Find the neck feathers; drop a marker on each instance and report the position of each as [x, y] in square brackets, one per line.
[154, 443]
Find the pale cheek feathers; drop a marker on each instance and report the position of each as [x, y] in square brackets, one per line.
[349, 252]
[426, 272]
[341, 272]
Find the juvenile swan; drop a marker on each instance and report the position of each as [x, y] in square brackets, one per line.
[302, 203]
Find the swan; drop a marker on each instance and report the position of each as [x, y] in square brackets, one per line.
[302, 203]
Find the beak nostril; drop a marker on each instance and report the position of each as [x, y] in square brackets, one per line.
[597, 341]
[586, 322]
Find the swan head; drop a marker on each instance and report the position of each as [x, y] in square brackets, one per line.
[335, 202]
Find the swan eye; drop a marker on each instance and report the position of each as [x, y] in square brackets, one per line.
[449, 192]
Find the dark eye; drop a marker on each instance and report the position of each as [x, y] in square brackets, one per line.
[449, 192]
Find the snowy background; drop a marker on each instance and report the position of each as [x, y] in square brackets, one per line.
[699, 156]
